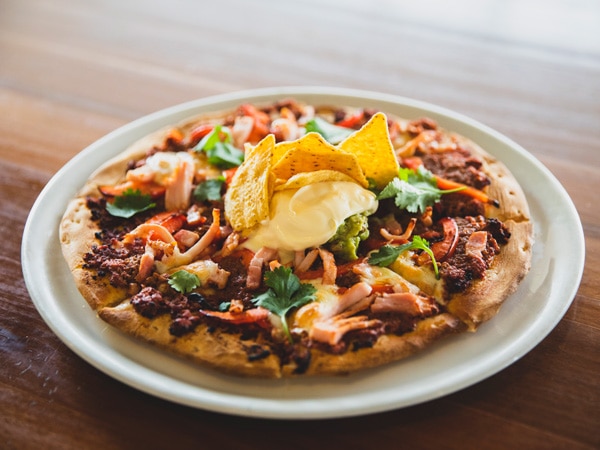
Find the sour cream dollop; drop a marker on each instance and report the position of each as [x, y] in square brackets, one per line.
[309, 216]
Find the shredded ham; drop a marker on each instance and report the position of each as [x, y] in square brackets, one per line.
[476, 244]
[186, 238]
[231, 243]
[351, 297]
[260, 258]
[146, 265]
[402, 302]
[303, 262]
[329, 267]
[179, 187]
[333, 330]
[399, 238]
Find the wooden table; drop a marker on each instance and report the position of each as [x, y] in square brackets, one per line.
[72, 71]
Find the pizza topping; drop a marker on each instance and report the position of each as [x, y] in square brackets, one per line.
[254, 315]
[311, 215]
[255, 268]
[130, 203]
[444, 249]
[149, 302]
[332, 331]
[184, 281]
[387, 254]
[415, 191]
[286, 293]
[403, 303]
[219, 148]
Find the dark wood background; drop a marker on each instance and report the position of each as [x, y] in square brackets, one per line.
[71, 71]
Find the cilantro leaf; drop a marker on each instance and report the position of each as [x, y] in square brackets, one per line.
[184, 281]
[330, 132]
[414, 191]
[219, 149]
[209, 190]
[130, 203]
[285, 293]
[387, 254]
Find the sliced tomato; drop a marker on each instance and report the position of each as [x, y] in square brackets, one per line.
[444, 249]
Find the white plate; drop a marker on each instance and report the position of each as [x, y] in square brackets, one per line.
[458, 362]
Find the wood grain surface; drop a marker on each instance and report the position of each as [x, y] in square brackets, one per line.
[72, 71]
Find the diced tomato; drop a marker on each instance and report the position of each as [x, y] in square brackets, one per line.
[228, 174]
[352, 121]
[412, 162]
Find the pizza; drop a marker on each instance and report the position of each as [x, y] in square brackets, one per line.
[291, 239]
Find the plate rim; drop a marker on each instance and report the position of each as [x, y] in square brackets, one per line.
[240, 404]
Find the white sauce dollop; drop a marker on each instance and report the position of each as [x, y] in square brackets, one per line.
[309, 216]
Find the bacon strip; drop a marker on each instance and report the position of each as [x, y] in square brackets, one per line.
[255, 267]
[303, 263]
[329, 267]
[476, 244]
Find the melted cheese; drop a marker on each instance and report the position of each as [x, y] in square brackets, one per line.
[160, 167]
[309, 216]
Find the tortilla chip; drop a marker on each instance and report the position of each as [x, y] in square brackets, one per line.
[305, 178]
[249, 194]
[373, 148]
[312, 153]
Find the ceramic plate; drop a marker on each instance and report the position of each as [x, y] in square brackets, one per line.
[457, 362]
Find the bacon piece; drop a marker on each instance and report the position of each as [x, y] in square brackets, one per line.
[403, 303]
[231, 243]
[186, 238]
[262, 256]
[476, 244]
[329, 267]
[351, 297]
[333, 330]
[146, 265]
[179, 188]
[303, 262]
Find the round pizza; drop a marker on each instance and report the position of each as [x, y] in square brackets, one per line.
[291, 239]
